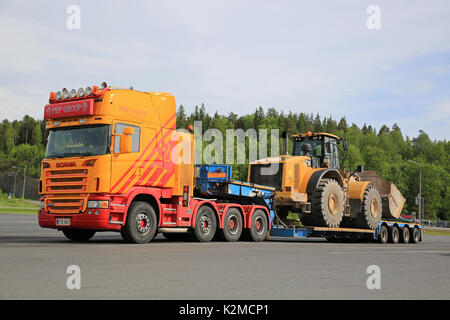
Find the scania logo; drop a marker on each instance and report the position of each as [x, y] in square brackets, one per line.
[65, 164]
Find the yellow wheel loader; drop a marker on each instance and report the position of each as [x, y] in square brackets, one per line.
[311, 183]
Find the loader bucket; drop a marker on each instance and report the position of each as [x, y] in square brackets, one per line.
[391, 198]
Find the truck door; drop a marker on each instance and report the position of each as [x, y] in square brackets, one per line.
[136, 167]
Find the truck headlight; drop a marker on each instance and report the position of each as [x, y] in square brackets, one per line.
[42, 205]
[308, 162]
[98, 204]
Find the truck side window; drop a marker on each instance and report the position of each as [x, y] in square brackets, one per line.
[135, 138]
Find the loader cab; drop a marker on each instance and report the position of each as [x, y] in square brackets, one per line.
[321, 147]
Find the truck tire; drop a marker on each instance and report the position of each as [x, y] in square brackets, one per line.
[141, 224]
[327, 205]
[370, 215]
[78, 234]
[205, 224]
[415, 236]
[404, 236]
[394, 234]
[259, 227]
[233, 225]
[383, 236]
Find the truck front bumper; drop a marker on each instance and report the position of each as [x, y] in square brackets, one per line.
[110, 219]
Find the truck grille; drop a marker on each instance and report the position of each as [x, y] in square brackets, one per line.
[63, 181]
[66, 190]
[274, 180]
[70, 204]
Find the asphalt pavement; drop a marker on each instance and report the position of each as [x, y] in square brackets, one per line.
[34, 264]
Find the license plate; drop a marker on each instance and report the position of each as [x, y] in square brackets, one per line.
[63, 222]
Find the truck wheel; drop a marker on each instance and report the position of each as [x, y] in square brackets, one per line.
[404, 237]
[394, 235]
[78, 234]
[141, 225]
[205, 224]
[259, 226]
[383, 237]
[232, 225]
[327, 205]
[370, 214]
[415, 237]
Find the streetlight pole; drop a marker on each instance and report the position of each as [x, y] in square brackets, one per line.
[23, 189]
[420, 189]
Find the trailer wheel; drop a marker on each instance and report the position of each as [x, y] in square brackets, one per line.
[232, 225]
[327, 205]
[404, 238]
[259, 226]
[205, 224]
[370, 215]
[394, 234]
[141, 225]
[383, 237]
[78, 234]
[415, 237]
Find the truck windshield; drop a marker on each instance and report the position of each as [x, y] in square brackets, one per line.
[78, 141]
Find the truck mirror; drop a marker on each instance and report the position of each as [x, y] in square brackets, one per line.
[360, 169]
[345, 145]
[125, 140]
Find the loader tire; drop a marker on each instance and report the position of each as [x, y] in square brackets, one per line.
[370, 215]
[327, 205]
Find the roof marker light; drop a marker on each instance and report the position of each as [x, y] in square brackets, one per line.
[88, 91]
[65, 93]
[73, 93]
[58, 95]
[81, 92]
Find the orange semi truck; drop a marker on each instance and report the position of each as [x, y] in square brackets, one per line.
[115, 162]
[111, 165]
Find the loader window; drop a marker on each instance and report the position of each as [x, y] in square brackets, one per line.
[331, 153]
[135, 138]
[314, 142]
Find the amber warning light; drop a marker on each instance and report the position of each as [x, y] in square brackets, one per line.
[69, 109]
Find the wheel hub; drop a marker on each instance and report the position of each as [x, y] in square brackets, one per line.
[205, 224]
[374, 208]
[333, 203]
[143, 223]
[259, 225]
[232, 224]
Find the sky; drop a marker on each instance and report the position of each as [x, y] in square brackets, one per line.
[237, 55]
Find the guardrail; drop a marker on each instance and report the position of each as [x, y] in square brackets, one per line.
[436, 224]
